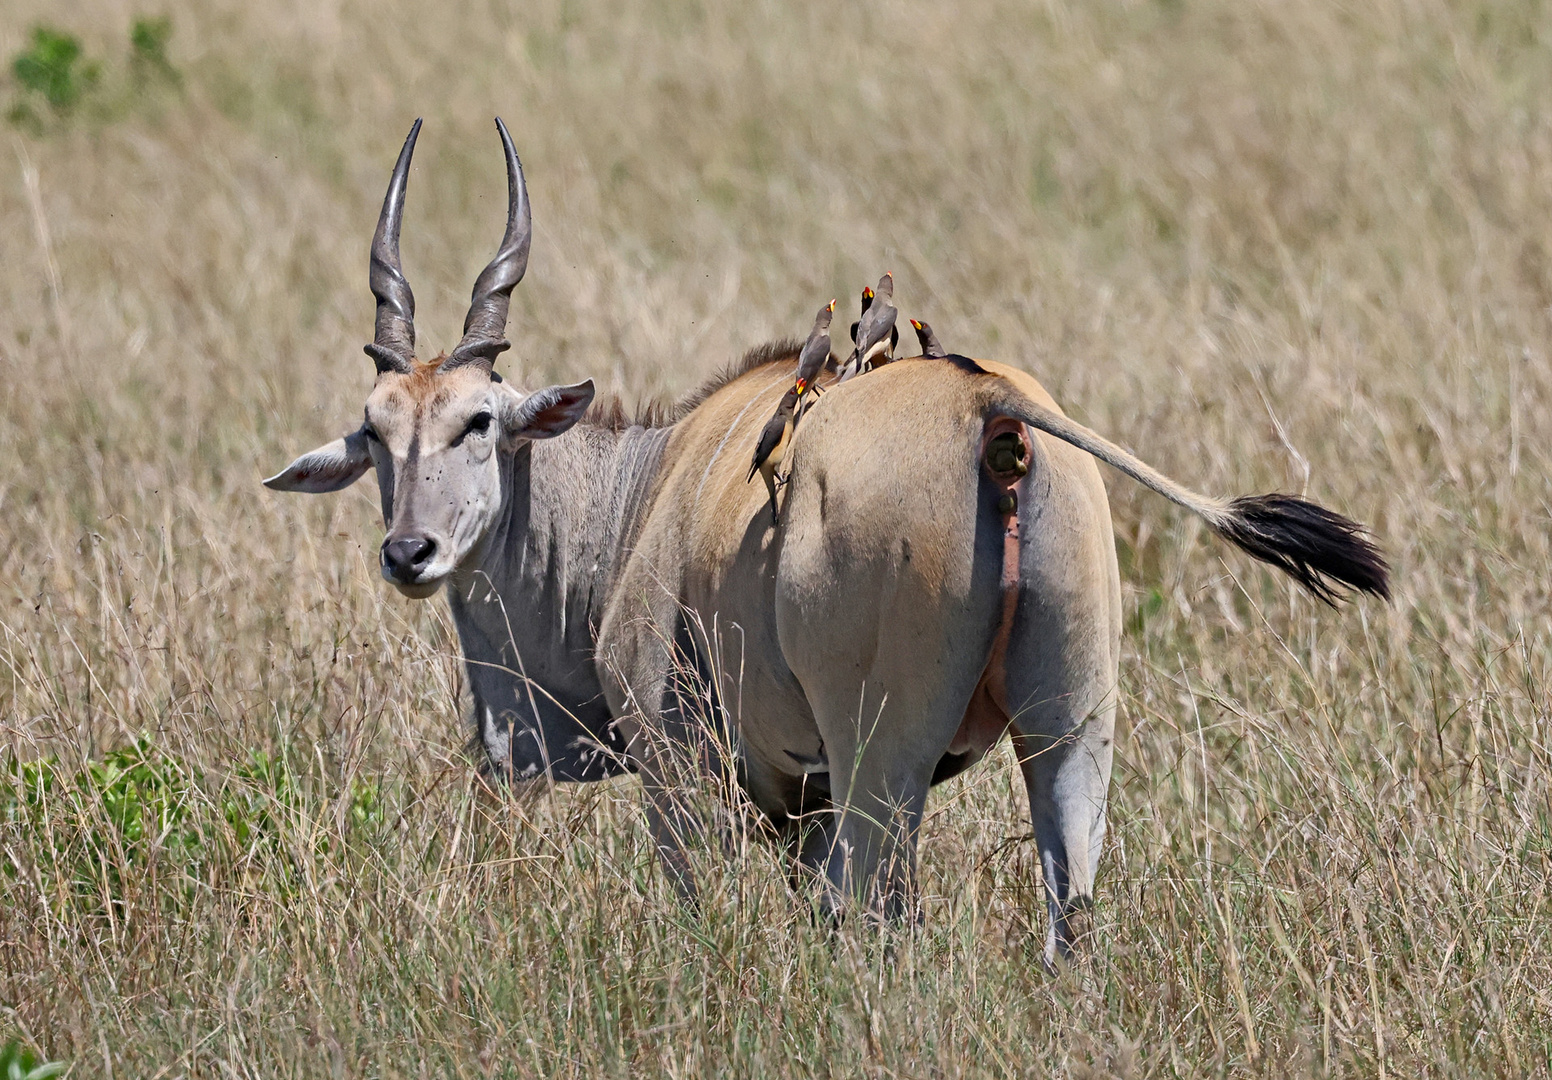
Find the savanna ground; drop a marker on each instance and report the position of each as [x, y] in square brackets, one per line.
[1268, 245]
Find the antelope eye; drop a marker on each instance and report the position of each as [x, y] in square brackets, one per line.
[370, 432]
[480, 424]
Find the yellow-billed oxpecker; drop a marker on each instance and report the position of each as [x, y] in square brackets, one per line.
[772, 447]
[867, 302]
[815, 354]
[876, 331]
[930, 346]
[816, 350]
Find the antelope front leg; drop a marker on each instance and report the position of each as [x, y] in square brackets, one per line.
[639, 667]
[675, 825]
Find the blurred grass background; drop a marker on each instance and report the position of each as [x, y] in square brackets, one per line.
[1267, 245]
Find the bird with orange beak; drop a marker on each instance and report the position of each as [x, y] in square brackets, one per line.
[867, 302]
[876, 332]
[772, 447]
[930, 347]
[816, 351]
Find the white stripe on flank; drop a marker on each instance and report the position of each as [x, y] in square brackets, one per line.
[731, 428]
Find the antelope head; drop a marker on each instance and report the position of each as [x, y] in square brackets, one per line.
[435, 430]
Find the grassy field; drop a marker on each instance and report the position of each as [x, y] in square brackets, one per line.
[1296, 246]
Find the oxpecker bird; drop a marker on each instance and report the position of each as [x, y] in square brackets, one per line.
[816, 350]
[772, 447]
[867, 302]
[929, 341]
[812, 360]
[876, 331]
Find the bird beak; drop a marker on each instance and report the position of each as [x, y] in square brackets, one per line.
[831, 308]
[867, 292]
[802, 385]
[915, 325]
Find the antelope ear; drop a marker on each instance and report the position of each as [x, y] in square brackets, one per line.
[328, 468]
[545, 413]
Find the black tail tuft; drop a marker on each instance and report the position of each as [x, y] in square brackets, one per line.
[1320, 549]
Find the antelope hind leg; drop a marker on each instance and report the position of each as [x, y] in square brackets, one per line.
[883, 739]
[1061, 695]
[880, 795]
[1066, 778]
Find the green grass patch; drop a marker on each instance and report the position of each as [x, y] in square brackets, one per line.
[56, 80]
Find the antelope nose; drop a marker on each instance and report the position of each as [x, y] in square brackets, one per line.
[405, 557]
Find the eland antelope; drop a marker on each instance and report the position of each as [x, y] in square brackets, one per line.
[944, 574]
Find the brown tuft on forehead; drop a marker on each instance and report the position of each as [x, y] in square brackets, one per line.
[430, 385]
[420, 380]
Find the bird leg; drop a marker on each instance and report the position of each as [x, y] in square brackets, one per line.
[770, 486]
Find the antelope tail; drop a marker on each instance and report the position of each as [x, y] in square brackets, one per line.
[1323, 551]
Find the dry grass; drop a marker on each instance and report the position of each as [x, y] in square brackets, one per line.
[1269, 245]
